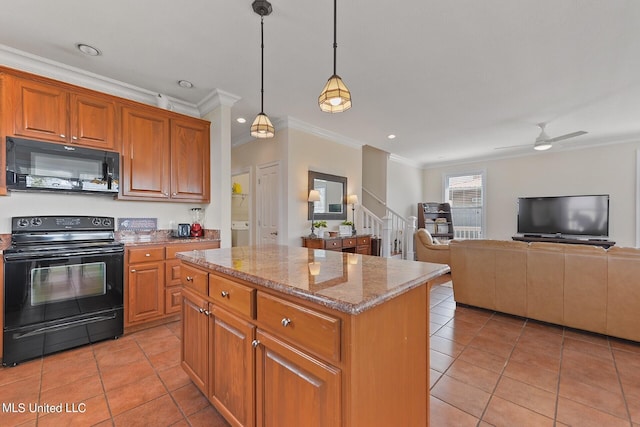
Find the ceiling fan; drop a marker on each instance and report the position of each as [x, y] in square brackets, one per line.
[543, 142]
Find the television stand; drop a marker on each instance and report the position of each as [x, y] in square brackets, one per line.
[571, 241]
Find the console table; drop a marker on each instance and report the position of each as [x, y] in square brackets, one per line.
[360, 244]
[594, 242]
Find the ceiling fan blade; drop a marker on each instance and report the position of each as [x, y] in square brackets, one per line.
[512, 146]
[567, 136]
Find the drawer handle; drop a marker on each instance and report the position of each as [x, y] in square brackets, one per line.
[255, 343]
[206, 313]
[189, 279]
[285, 322]
[201, 310]
[224, 294]
[147, 254]
[133, 271]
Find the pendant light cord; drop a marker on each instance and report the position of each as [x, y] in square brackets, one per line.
[335, 32]
[262, 64]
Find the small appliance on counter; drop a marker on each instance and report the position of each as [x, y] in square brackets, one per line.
[183, 230]
[197, 228]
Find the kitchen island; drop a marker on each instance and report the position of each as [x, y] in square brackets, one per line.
[284, 336]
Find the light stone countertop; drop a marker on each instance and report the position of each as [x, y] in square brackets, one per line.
[346, 282]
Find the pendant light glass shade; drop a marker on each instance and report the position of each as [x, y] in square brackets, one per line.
[335, 97]
[262, 127]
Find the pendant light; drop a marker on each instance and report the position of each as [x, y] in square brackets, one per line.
[335, 97]
[262, 127]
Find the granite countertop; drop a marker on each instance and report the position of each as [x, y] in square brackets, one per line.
[346, 282]
[162, 237]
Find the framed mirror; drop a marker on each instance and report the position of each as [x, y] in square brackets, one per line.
[333, 196]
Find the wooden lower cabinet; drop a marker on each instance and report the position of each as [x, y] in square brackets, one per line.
[294, 389]
[268, 359]
[145, 292]
[194, 355]
[231, 369]
[153, 287]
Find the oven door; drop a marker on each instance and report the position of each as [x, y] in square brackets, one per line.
[50, 286]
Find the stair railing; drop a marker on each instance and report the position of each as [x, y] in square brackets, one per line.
[395, 231]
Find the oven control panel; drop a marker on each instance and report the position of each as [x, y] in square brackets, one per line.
[23, 224]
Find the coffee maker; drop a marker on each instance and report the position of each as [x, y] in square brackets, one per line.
[197, 227]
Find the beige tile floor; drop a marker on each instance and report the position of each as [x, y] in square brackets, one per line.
[487, 369]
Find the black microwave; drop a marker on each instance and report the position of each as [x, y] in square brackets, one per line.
[45, 166]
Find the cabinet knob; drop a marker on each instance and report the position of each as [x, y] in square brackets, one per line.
[174, 194]
[207, 313]
[255, 343]
[133, 271]
[189, 279]
[147, 254]
[75, 138]
[165, 194]
[62, 135]
[201, 310]
[224, 294]
[285, 322]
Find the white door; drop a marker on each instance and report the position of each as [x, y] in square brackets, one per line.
[268, 201]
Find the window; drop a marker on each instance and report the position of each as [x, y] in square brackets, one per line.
[465, 194]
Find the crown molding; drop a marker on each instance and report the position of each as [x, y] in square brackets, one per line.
[405, 161]
[14, 58]
[293, 123]
[215, 99]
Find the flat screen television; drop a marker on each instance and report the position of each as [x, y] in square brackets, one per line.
[564, 215]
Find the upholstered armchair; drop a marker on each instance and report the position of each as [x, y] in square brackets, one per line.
[429, 249]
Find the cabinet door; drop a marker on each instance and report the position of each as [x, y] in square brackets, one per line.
[145, 291]
[189, 160]
[40, 110]
[194, 355]
[146, 154]
[173, 299]
[231, 372]
[293, 388]
[93, 122]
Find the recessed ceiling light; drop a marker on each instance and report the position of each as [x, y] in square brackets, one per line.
[185, 83]
[241, 120]
[88, 50]
[392, 136]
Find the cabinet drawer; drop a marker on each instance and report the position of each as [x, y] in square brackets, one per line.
[146, 254]
[194, 278]
[349, 242]
[186, 247]
[315, 331]
[232, 295]
[364, 241]
[333, 244]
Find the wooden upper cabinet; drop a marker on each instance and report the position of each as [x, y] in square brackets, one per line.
[3, 108]
[146, 156]
[93, 121]
[164, 158]
[49, 112]
[40, 110]
[190, 160]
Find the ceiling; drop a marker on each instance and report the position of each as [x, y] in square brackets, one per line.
[452, 79]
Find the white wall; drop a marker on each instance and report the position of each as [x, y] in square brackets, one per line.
[404, 187]
[311, 152]
[19, 203]
[609, 169]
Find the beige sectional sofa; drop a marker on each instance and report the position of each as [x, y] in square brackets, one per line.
[580, 286]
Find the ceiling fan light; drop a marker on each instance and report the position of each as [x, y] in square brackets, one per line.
[335, 97]
[262, 127]
[541, 145]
